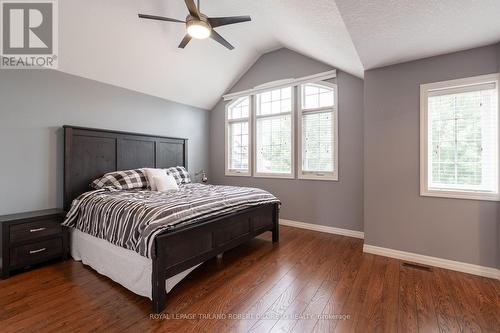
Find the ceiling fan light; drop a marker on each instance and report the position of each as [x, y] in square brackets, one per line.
[198, 30]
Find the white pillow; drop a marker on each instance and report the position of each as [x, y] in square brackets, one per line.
[165, 183]
[151, 174]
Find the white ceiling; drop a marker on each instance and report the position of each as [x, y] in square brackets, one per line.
[107, 42]
[392, 31]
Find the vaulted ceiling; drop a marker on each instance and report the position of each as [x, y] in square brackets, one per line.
[392, 31]
[105, 41]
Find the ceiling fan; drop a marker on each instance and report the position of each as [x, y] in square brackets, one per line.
[199, 26]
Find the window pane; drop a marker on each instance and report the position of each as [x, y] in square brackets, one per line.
[463, 140]
[315, 95]
[274, 144]
[238, 146]
[274, 102]
[326, 99]
[266, 108]
[239, 109]
[286, 93]
[469, 173]
[317, 145]
[266, 97]
[311, 102]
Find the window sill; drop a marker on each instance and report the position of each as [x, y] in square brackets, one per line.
[460, 195]
[237, 174]
[277, 176]
[325, 178]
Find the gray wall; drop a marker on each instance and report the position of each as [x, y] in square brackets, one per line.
[498, 57]
[498, 213]
[395, 215]
[338, 204]
[34, 104]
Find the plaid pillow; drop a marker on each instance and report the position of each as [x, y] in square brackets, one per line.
[122, 180]
[180, 174]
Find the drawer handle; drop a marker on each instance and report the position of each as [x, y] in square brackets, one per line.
[37, 251]
[37, 229]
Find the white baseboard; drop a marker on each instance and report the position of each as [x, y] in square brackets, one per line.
[323, 228]
[433, 261]
[489, 272]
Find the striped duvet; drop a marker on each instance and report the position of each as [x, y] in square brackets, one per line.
[132, 218]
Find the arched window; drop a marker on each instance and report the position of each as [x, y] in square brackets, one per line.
[261, 125]
[238, 137]
[274, 133]
[318, 131]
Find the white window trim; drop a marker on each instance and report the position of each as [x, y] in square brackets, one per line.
[332, 176]
[229, 172]
[425, 89]
[256, 174]
[282, 84]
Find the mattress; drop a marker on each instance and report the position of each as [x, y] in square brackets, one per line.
[133, 218]
[123, 266]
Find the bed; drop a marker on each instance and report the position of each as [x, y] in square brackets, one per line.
[153, 265]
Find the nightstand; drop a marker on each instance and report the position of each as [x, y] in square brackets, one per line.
[31, 238]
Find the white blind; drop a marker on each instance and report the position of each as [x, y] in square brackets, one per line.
[238, 135]
[318, 102]
[463, 139]
[274, 132]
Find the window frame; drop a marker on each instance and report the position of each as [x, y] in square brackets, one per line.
[425, 89]
[228, 171]
[254, 115]
[314, 175]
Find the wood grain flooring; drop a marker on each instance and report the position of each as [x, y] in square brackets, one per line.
[309, 282]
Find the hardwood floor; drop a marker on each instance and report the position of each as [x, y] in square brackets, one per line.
[310, 282]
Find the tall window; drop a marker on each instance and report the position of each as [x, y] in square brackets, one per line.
[459, 148]
[261, 126]
[318, 131]
[273, 133]
[238, 137]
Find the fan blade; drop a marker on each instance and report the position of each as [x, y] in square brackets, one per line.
[184, 41]
[218, 38]
[193, 11]
[159, 18]
[220, 21]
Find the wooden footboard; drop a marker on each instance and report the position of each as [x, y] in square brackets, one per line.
[179, 250]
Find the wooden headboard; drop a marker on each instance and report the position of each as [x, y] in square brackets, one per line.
[90, 153]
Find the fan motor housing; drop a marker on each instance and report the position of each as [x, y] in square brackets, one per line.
[203, 20]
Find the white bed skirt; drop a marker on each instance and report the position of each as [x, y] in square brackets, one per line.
[123, 266]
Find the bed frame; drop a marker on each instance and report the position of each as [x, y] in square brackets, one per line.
[90, 153]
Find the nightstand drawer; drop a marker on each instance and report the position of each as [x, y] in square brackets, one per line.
[34, 230]
[35, 252]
